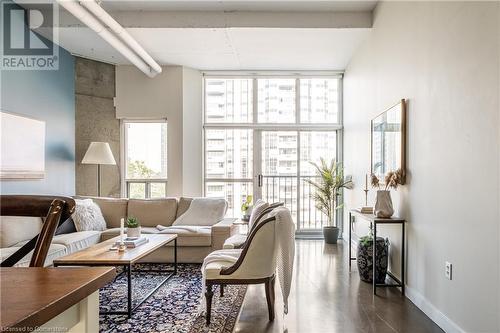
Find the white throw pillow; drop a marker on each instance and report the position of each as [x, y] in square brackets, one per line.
[259, 206]
[203, 211]
[88, 216]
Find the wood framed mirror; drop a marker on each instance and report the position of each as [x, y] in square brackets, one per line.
[388, 141]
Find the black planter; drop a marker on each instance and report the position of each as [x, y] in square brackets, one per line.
[331, 234]
[365, 259]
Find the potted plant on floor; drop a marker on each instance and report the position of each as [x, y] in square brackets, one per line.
[327, 189]
[365, 258]
[133, 227]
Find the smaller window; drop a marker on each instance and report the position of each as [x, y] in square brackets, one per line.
[145, 148]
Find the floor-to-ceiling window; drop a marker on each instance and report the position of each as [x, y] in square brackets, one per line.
[261, 134]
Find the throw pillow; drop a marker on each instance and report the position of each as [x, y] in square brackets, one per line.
[88, 216]
[203, 211]
[259, 206]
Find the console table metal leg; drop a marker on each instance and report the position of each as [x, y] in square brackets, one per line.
[129, 290]
[403, 258]
[350, 239]
[374, 258]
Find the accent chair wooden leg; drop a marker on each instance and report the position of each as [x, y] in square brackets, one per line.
[270, 297]
[208, 296]
[221, 290]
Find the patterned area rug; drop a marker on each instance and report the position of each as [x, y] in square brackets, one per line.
[173, 308]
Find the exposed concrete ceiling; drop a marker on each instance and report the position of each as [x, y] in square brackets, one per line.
[232, 35]
[238, 5]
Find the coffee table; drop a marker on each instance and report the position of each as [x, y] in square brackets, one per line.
[100, 255]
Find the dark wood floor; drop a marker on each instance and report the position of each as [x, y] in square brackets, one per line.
[326, 297]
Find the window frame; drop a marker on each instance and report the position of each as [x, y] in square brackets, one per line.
[125, 183]
[294, 126]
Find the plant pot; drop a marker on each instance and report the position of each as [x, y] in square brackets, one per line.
[331, 234]
[365, 260]
[134, 232]
[383, 204]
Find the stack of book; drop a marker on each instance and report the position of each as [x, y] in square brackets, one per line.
[133, 242]
[365, 210]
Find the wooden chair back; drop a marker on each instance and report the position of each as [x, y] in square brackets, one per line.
[54, 209]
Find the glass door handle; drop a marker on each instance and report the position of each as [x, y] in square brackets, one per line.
[259, 180]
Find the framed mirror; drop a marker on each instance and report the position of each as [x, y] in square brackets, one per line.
[388, 141]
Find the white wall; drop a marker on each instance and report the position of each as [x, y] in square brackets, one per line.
[140, 97]
[444, 58]
[192, 125]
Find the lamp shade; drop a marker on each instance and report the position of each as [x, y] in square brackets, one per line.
[98, 153]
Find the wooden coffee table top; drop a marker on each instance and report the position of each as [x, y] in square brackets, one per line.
[32, 296]
[99, 254]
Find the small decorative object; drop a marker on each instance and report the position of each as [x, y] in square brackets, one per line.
[383, 203]
[327, 189]
[365, 258]
[121, 246]
[246, 208]
[366, 209]
[133, 228]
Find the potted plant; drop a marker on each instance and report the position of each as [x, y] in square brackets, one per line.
[246, 207]
[133, 227]
[364, 257]
[327, 189]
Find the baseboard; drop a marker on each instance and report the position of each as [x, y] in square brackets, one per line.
[432, 312]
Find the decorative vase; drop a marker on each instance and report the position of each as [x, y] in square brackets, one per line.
[383, 204]
[331, 234]
[365, 260]
[134, 232]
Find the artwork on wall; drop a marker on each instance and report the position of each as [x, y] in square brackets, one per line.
[22, 147]
[388, 141]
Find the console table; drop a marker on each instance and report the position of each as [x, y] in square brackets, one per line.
[374, 221]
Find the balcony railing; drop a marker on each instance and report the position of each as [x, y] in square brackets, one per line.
[296, 193]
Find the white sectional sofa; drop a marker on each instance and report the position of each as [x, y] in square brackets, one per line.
[193, 245]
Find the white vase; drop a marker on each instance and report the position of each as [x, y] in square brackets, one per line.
[383, 204]
[134, 232]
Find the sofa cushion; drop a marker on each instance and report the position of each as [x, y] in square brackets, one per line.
[190, 236]
[88, 216]
[113, 232]
[113, 210]
[77, 241]
[151, 212]
[183, 206]
[55, 251]
[203, 212]
[15, 229]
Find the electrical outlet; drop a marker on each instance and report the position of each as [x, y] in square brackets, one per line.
[448, 269]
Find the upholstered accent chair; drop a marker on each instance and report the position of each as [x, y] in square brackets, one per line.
[237, 241]
[256, 264]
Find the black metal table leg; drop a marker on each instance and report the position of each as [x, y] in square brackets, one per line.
[350, 240]
[403, 259]
[129, 290]
[175, 256]
[374, 258]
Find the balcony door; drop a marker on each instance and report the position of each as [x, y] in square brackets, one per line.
[283, 163]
